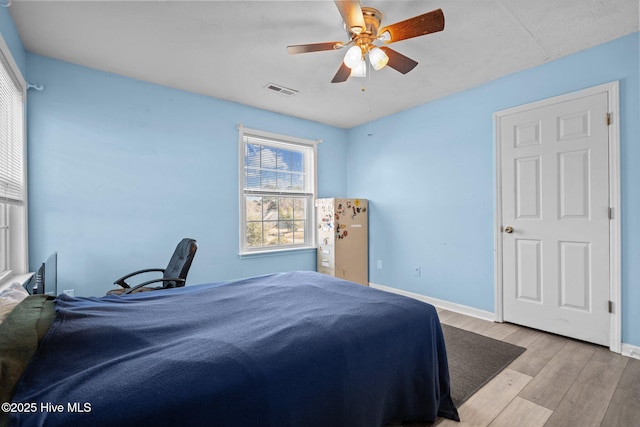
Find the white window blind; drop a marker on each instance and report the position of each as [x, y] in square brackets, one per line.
[277, 186]
[11, 136]
[13, 204]
[276, 167]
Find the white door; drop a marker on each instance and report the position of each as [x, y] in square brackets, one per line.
[555, 217]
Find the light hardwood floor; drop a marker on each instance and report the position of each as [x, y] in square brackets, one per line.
[557, 382]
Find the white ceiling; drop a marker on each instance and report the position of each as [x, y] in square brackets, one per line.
[232, 49]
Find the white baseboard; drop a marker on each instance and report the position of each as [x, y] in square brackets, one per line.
[630, 351]
[451, 306]
[627, 349]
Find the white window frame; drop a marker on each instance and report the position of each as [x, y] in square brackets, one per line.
[285, 142]
[5, 230]
[17, 251]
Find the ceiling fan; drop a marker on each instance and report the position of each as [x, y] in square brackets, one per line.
[363, 28]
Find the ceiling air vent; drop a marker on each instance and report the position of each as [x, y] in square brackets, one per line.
[281, 89]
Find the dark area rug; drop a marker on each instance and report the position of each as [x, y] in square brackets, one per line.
[474, 360]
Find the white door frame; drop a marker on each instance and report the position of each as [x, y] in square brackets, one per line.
[615, 283]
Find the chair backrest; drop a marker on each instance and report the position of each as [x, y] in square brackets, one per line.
[180, 262]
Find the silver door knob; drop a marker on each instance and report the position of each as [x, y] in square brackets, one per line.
[508, 229]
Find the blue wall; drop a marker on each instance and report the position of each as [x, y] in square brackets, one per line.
[429, 175]
[120, 170]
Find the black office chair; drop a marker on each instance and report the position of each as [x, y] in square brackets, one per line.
[174, 276]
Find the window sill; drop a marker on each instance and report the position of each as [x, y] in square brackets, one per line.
[274, 252]
[10, 278]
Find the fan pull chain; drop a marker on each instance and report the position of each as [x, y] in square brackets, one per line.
[368, 76]
[370, 133]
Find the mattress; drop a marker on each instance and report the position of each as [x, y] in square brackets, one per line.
[287, 349]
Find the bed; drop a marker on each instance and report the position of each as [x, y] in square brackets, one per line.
[286, 349]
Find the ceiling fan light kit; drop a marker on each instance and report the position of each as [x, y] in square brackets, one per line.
[378, 58]
[353, 57]
[359, 70]
[364, 32]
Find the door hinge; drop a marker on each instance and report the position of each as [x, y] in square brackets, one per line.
[610, 213]
[610, 307]
[608, 119]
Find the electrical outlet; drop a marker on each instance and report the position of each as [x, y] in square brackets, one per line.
[379, 264]
[416, 271]
[70, 292]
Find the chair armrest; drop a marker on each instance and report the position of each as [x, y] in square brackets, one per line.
[121, 281]
[130, 290]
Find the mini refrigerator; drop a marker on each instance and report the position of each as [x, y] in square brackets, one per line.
[343, 245]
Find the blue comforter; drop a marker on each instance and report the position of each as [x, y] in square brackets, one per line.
[289, 349]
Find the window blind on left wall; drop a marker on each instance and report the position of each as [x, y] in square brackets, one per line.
[11, 136]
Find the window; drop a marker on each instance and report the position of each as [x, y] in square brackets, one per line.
[4, 238]
[277, 190]
[13, 240]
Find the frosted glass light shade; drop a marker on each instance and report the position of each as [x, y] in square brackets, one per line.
[378, 58]
[359, 70]
[353, 57]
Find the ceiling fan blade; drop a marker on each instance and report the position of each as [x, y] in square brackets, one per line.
[351, 15]
[430, 22]
[398, 61]
[313, 47]
[342, 75]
